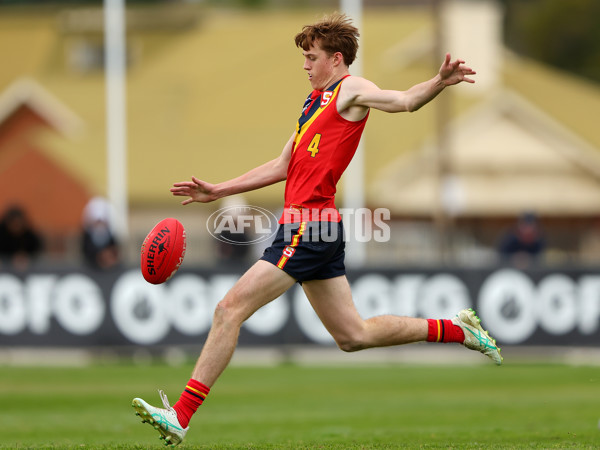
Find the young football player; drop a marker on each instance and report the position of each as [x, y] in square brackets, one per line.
[309, 246]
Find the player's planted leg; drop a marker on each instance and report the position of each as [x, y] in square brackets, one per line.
[262, 283]
[164, 420]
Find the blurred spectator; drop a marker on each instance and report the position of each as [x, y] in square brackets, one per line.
[99, 244]
[524, 243]
[20, 244]
[233, 244]
[235, 250]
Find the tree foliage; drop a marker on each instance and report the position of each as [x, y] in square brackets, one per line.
[564, 34]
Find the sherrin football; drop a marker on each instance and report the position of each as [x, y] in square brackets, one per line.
[163, 251]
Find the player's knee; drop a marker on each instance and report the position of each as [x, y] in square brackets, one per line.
[350, 343]
[349, 346]
[226, 313]
[221, 311]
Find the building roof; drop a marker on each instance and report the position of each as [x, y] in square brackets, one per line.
[27, 92]
[506, 156]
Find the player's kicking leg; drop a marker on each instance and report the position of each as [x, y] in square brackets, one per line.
[476, 338]
[262, 283]
[332, 301]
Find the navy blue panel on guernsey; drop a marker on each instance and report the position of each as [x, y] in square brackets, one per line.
[316, 103]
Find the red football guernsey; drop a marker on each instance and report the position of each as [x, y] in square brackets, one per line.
[324, 145]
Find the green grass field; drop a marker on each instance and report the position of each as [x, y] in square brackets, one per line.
[394, 406]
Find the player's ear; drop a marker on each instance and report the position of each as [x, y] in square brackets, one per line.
[338, 58]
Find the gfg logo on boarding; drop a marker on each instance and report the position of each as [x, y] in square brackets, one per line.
[242, 225]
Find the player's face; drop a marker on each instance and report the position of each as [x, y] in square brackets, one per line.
[319, 66]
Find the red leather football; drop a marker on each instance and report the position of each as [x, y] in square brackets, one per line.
[163, 251]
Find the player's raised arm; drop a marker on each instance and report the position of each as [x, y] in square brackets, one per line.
[269, 173]
[360, 92]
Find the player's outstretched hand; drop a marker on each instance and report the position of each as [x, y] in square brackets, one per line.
[197, 191]
[455, 72]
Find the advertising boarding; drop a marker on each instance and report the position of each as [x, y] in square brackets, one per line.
[74, 308]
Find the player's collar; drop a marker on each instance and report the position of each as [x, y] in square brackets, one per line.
[332, 86]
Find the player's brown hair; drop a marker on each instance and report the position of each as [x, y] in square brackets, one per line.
[335, 33]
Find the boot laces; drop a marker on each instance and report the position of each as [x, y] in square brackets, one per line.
[165, 400]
